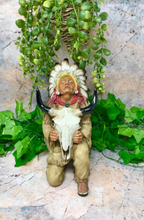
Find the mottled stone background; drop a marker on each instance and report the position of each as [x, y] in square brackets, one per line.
[124, 73]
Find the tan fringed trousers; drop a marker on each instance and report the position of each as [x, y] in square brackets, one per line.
[56, 165]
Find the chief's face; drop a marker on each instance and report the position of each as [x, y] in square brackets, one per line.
[67, 85]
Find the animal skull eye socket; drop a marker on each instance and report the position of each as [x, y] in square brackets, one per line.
[52, 122]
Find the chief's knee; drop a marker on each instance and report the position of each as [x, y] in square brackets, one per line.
[55, 175]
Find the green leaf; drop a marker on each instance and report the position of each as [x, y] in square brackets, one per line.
[22, 146]
[2, 149]
[71, 22]
[9, 128]
[26, 157]
[39, 121]
[138, 134]
[16, 132]
[104, 40]
[86, 6]
[106, 52]
[19, 107]
[96, 40]
[86, 52]
[81, 24]
[112, 97]
[104, 27]
[125, 130]
[104, 16]
[82, 15]
[77, 2]
[95, 47]
[139, 112]
[82, 65]
[24, 116]
[72, 30]
[98, 54]
[82, 34]
[98, 20]
[103, 61]
[126, 156]
[94, 119]
[130, 116]
[120, 104]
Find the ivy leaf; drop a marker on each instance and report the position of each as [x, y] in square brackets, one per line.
[24, 116]
[22, 146]
[126, 156]
[9, 128]
[130, 116]
[26, 157]
[125, 130]
[139, 112]
[94, 119]
[106, 52]
[103, 61]
[120, 104]
[104, 16]
[19, 107]
[39, 121]
[112, 97]
[16, 131]
[2, 149]
[138, 134]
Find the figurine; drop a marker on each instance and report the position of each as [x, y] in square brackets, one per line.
[67, 124]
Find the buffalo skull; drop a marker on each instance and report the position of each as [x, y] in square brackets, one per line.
[66, 121]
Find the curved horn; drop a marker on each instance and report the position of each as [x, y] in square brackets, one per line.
[40, 102]
[91, 107]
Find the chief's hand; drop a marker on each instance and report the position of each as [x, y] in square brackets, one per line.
[53, 135]
[77, 138]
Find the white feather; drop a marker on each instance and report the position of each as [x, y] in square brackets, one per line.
[51, 86]
[79, 72]
[53, 73]
[51, 91]
[82, 78]
[73, 67]
[84, 87]
[81, 82]
[84, 94]
[65, 66]
[52, 80]
[57, 67]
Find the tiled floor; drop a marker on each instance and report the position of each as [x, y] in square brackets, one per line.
[116, 192]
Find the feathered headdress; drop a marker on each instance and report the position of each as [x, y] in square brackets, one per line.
[63, 69]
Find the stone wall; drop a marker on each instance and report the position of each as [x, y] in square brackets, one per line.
[124, 72]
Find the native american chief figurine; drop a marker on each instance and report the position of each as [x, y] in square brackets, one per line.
[67, 124]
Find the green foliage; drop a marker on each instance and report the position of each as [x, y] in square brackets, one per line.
[113, 127]
[116, 128]
[38, 42]
[23, 133]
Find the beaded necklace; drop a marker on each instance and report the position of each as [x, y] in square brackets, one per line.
[67, 104]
